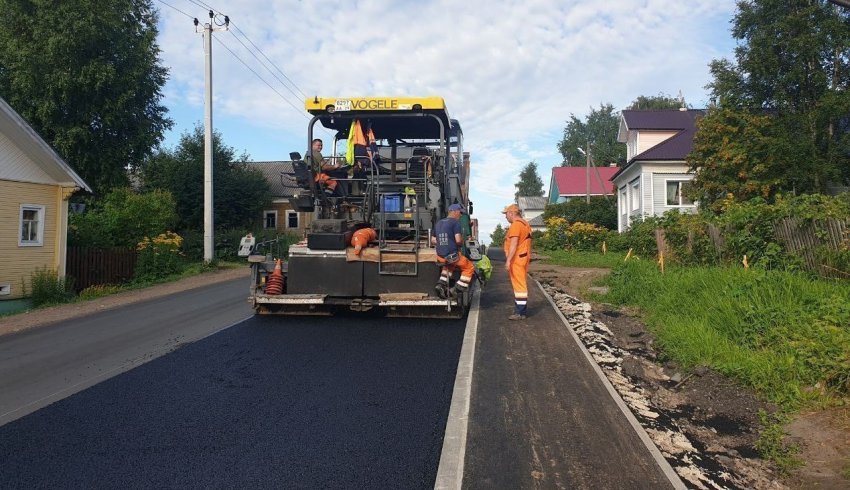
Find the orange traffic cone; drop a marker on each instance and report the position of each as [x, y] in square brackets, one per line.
[274, 283]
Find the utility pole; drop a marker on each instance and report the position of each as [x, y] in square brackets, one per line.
[209, 224]
[587, 170]
[586, 154]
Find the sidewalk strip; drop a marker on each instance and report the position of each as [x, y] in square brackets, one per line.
[450, 471]
[662, 462]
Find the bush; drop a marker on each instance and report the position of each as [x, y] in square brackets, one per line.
[159, 257]
[555, 236]
[48, 288]
[600, 212]
[640, 237]
[99, 291]
[688, 239]
[745, 229]
[584, 236]
[122, 219]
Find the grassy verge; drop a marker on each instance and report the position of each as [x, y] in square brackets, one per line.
[569, 258]
[192, 269]
[783, 334]
[100, 291]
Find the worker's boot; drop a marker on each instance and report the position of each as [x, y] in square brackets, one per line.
[442, 290]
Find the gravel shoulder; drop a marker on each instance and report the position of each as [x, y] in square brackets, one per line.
[47, 316]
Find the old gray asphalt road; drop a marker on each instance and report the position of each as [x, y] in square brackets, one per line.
[45, 364]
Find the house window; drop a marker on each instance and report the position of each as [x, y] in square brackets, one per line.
[270, 220]
[676, 190]
[635, 195]
[32, 226]
[623, 202]
[292, 219]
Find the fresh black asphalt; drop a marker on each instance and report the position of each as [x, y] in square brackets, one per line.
[540, 417]
[271, 402]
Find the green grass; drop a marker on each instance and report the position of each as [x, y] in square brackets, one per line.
[582, 259]
[784, 334]
[772, 444]
[781, 333]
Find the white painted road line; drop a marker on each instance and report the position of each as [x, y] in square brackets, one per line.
[644, 437]
[450, 470]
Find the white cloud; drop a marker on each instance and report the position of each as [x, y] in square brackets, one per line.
[511, 71]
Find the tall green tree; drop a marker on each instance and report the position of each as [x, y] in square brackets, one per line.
[497, 238]
[86, 75]
[741, 155]
[655, 102]
[529, 183]
[600, 129]
[792, 64]
[240, 193]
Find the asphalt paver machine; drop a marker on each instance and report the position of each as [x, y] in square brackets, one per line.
[400, 164]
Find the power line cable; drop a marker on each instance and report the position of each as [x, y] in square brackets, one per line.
[202, 4]
[300, 111]
[258, 76]
[175, 8]
[266, 67]
[270, 61]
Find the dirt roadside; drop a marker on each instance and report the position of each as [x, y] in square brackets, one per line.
[717, 417]
[46, 316]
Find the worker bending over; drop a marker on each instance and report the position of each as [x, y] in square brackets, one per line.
[361, 239]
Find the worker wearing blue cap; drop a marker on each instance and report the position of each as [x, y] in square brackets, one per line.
[448, 240]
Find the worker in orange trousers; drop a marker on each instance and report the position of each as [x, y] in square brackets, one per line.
[517, 256]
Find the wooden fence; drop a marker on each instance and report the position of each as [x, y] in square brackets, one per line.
[95, 266]
[810, 240]
[807, 240]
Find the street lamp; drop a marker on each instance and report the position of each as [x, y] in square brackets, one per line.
[588, 160]
[587, 170]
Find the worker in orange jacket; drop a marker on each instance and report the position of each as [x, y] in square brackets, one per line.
[361, 238]
[517, 256]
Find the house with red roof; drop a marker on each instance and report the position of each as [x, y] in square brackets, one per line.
[573, 182]
[656, 172]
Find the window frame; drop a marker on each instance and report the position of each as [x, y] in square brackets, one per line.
[679, 193]
[40, 210]
[289, 214]
[624, 205]
[266, 214]
[634, 190]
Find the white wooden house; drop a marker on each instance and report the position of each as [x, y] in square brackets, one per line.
[655, 174]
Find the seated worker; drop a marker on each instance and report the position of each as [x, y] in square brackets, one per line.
[448, 241]
[325, 171]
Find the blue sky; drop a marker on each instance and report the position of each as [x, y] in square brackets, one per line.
[512, 72]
